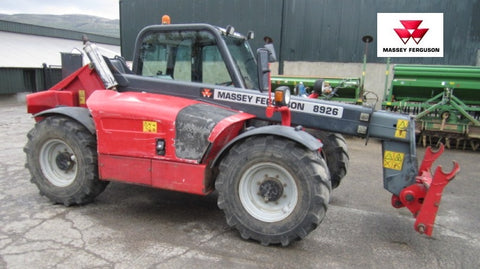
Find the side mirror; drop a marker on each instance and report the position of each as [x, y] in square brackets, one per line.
[263, 70]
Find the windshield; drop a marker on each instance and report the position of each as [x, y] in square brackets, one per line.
[244, 59]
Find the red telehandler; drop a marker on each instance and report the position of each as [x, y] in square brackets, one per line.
[195, 114]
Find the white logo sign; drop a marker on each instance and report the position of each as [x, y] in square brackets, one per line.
[409, 34]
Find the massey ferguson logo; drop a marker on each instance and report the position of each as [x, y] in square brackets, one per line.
[395, 32]
[411, 30]
[207, 93]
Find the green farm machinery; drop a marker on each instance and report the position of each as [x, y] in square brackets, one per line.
[347, 90]
[445, 101]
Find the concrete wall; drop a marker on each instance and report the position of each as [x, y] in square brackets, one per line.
[478, 57]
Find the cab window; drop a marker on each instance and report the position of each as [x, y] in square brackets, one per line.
[191, 56]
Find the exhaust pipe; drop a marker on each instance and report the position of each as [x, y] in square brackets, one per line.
[99, 63]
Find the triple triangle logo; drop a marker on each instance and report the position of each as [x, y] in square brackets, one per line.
[411, 30]
[409, 34]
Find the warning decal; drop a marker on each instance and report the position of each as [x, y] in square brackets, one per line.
[81, 97]
[401, 130]
[149, 126]
[393, 160]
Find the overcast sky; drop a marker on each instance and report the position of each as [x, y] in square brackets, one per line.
[101, 8]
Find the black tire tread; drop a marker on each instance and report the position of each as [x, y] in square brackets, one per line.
[309, 161]
[61, 127]
[336, 154]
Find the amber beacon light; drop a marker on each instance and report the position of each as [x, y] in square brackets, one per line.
[165, 19]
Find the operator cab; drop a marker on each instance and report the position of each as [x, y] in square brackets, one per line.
[200, 53]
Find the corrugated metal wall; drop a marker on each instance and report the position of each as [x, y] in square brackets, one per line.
[11, 80]
[312, 30]
[14, 80]
[262, 16]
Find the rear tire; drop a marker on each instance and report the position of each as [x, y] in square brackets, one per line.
[273, 190]
[62, 160]
[335, 153]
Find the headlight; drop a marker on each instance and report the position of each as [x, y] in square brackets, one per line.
[282, 96]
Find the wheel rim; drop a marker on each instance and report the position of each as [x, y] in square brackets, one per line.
[268, 192]
[58, 162]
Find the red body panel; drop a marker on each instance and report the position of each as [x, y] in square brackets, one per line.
[74, 90]
[120, 119]
[126, 169]
[176, 176]
[225, 131]
[128, 126]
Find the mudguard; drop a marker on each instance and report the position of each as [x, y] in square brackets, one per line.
[80, 114]
[193, 126]
[295, 134]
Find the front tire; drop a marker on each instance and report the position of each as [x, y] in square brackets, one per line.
[62, 160]
[273, 190]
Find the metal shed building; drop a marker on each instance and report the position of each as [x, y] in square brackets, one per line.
[30, 56]
[318, 38]
[313, 30]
